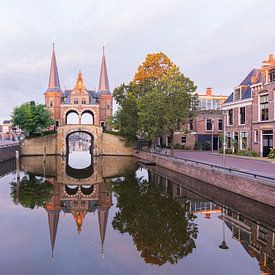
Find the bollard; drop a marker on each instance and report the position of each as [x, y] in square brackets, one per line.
[44, 154]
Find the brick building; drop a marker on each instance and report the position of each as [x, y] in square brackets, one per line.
[79, 105]
[250, 116]
[206, 126]
[263, 106]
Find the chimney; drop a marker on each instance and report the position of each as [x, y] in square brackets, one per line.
[209, 91]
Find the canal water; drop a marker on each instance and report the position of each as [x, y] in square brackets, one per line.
[111, 215]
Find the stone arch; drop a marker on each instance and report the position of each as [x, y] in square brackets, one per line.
[79, 173]
[87, 117]
[72, 117]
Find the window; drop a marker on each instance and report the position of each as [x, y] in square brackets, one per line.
[209, 125]
[83, 100]
[190, 124]
[243, 140]
[262, 233]
[230, 117]
[256, 136]
[220, 125]
[51, 103]
[208, 104]
[242, 115]
[183, 139]
[237, 94]
[272, 75]
[202, 103]
[264, 107]
[102, 124]
[229, 140]
[75, 100]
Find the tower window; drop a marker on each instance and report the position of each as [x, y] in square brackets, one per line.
[83, 100]
[51, 103]
[75, 100]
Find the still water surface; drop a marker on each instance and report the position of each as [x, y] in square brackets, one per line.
[126, 219]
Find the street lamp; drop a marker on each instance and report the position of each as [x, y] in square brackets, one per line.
[224, 140]
[212, 135]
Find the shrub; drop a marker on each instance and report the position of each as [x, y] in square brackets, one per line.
[247, 153]
[177, 146]
[271, 154]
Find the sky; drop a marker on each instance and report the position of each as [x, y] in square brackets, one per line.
[215, 43]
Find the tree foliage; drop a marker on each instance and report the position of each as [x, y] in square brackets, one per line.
[161, 228]
[158, 101]
[31, 192]
[31, 117]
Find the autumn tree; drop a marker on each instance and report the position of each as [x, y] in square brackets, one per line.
[158, 101]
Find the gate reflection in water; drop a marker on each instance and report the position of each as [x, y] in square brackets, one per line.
[167, 222]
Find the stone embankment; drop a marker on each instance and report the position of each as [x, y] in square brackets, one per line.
[7, 150]
[256, 189]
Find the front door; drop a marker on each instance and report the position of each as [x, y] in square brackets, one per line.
[267, 142]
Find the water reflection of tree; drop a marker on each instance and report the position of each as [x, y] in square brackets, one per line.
[161, 228]
[33, 191]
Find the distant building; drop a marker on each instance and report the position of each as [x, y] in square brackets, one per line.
[206, 127]
[79, 105]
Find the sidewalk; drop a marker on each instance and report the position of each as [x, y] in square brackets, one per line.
[261, 167]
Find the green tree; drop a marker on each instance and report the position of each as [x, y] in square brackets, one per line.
[31, 117]
[161, 228]
[31, 192]
[159, 100]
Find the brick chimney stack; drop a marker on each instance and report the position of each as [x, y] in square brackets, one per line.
[209, 91]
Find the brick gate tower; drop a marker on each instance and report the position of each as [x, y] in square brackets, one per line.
[79, 105]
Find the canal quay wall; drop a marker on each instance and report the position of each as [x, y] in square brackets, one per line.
[255, 189]
[55, 144]
[8, 151]
[252, 209]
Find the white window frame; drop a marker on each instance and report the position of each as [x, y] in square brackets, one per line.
[218, 125]
[227, 115]
[259, 107]
[213, 123]
[239, 115]
[256, 140]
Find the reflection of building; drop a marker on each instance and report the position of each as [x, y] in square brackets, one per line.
[79, 201]
[79, 141]
[79, 105]
[197, 205]
[257, 240]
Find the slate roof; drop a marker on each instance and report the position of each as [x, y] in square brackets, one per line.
[66, 97]
[245, 84]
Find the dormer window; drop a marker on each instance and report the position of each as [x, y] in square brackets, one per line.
[272, 75]
[238, 94]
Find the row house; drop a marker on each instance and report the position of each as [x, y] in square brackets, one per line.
[249, 110]
[263, 115]
[206, 126]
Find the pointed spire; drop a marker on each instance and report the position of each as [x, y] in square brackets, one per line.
[103, 87]
[54, 84]
[102, 221]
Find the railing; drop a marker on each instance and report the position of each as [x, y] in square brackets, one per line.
[7, 152]
[167, 153]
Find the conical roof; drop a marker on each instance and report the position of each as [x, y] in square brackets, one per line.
[103, 87]
[54, 84]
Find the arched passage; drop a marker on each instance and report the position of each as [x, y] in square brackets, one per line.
[72, 117]
[79, 158]
[87, 117]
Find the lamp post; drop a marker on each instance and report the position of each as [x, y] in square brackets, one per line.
[224, 140]
[212, 135]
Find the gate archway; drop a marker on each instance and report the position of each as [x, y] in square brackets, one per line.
[72, 117]
[87, 117]
[79, 157]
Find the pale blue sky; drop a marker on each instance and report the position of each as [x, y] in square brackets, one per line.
[216, 43]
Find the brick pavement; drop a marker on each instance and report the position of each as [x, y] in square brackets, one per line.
[260, 167]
